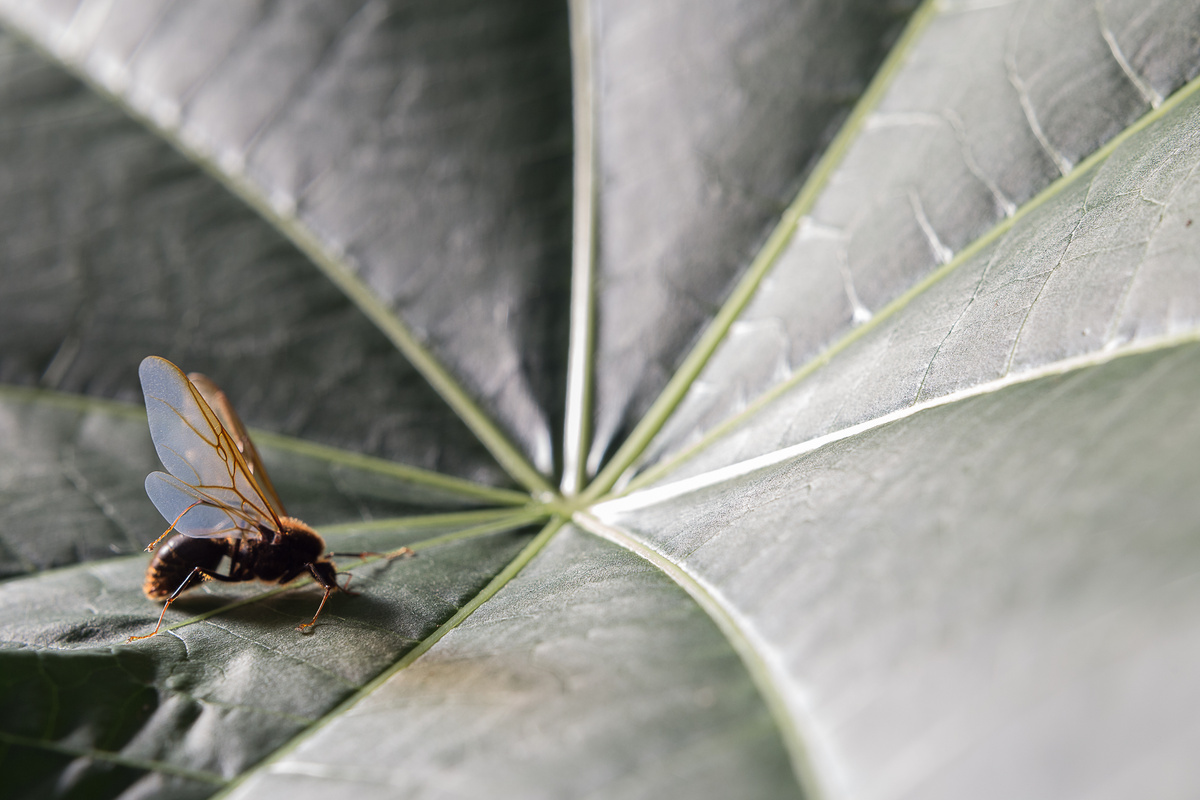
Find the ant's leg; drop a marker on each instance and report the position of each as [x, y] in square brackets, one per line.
[331, 578]
[150, 547]
[204, 574]
[345, 588]
[325, 575]
[403, 551]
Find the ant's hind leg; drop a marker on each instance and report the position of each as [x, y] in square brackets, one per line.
[188, 583]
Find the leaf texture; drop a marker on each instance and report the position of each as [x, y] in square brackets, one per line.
[876, 450]
[589, 675]
[988, 105]
[114, 246]
[1109, 261]
[696, 159]
[214, 696]
[992, 598]
[415, 173]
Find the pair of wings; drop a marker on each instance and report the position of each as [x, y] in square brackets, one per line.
[217, 486]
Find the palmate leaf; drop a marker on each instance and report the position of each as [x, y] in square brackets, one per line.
[866, 369]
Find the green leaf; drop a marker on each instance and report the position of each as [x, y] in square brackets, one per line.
[1098, 266]
[230, 680]
[555, 646]
[861, 341]
[979, 108]
[989, 598]
[698, 152]
[114, 246]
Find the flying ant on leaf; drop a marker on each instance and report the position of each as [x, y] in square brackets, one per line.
[219, 499]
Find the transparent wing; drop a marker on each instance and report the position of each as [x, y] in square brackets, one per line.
[195, 448]
[192, 512]
[232, 423]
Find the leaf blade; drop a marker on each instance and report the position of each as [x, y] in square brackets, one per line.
[476, 682]
[114, 247]
[351, 200]
[965, 315]
[221, 671]
[891, 220]
[913, 573]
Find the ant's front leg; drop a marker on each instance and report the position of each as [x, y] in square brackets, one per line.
[188, 583]
[403, 552]
[326, 575]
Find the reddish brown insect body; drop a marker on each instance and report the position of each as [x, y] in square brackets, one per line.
[297, 549]
[182, 563]
[218, 497]
[176, 558]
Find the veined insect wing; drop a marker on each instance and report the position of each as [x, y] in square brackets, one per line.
[232, 423]
[192, 512]
[197, 451]
[217, 490]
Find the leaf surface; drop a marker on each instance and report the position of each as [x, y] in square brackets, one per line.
[229, 680]
[979, 110]
[991, 598]
[433, 188]
[1106, 262]
[115, 247]
[589, 675]
[706, 115]
[874, 428]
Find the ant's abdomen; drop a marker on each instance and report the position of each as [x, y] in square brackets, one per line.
[175, 559]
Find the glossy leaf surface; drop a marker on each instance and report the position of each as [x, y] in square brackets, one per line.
[692, 170]
[215, 692]
[788, 400]
[525, 676]
[987, 106]
[115, 247]
[973, 600]
[1094, 269]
